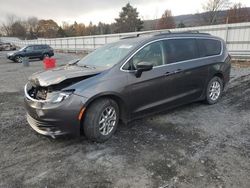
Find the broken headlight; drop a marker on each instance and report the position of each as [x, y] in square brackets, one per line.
[60, 96]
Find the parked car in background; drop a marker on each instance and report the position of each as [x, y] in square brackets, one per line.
[32, 52]
[125, 80]
[7, 47]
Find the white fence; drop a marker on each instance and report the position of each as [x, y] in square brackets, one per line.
[237, 37]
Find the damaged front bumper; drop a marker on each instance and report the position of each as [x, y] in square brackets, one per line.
[53, 119]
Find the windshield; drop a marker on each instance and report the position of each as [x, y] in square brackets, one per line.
[22, 48]
[108, 55]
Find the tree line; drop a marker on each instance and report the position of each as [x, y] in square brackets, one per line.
[128, 21]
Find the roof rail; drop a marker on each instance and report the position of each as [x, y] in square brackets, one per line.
[129, 37]
[183, 32]
[144, 33]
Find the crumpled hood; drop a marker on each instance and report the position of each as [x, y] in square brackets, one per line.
[59, 74]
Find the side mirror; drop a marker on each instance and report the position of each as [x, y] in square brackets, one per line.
[142, 67]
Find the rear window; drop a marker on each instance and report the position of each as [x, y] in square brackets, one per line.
[209, 47]
[180, 50]
[40, 47]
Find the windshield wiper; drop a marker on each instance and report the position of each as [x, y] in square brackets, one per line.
[87, 66]
[73, 62]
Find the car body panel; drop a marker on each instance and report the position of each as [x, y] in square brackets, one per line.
[163, 87]
[59, 74]
[48, 117]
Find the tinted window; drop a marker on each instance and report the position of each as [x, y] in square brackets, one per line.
[30, 48]
[37, 47]
[44, 47]
[152, 53]
[208, 47]
[180, 50]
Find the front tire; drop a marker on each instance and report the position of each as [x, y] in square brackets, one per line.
[18, 59]
[101, 120]
[214, 90]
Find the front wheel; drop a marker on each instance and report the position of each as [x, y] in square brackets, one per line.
[101, 120]
[18, 59]
[214, 90]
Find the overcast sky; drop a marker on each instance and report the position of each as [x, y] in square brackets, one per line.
[85, 11]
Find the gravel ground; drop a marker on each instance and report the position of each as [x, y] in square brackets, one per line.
[192, 146]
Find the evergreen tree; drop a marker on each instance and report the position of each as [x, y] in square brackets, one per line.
[128, 20]
[181, 25]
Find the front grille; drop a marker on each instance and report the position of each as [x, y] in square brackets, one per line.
[39, 124]
[43, 127]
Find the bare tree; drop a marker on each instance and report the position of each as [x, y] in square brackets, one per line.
[32, 22]
[6, 26]
[166, 21]
[212, 7]
[18, 30]
[237, 14]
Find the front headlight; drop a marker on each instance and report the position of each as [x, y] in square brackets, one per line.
[60, 96]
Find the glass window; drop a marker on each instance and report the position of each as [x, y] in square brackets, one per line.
[37, 47]
[208, 47]
[109, 54]
[180, 50]
[152, 53]
[30, 48]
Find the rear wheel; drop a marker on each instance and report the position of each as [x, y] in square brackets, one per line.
[18, 59]
[101, 120]
[214, 90]
[45, 56]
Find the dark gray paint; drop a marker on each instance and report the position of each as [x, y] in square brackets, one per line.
[161, 88]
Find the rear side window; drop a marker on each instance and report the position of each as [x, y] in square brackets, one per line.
[45, 47]
[37, 47]
[180, 50]
[208, 47]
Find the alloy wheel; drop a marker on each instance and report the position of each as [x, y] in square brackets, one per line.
[214, 90]
[107, 120]
[19, 59]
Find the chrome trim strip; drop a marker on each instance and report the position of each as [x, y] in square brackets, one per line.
[222, 48]
[30, 98]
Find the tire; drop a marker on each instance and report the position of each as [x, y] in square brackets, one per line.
[45, 56]
[214, 90]
[18, 59]
[101, 120]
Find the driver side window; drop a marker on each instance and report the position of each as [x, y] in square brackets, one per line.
[152, 53]
[30, 48]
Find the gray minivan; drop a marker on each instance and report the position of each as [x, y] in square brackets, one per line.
[125, 80]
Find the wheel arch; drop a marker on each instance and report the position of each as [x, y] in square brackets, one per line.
[221, 76]
[123, 108]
